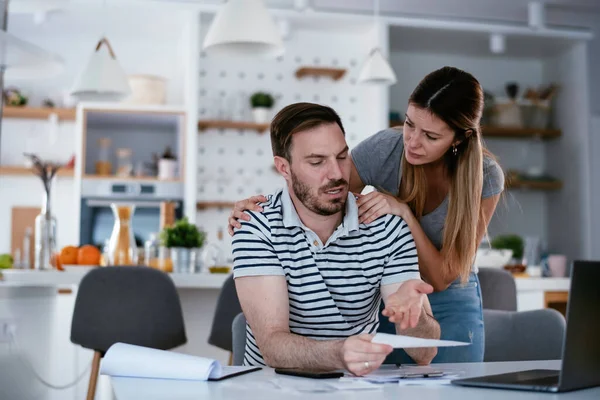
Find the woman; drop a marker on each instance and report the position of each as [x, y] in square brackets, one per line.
[438, 177]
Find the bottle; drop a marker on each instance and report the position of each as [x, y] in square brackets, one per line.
[26, 263]
[122, 247]
[214, 256]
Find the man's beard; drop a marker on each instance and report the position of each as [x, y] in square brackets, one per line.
[311, 200]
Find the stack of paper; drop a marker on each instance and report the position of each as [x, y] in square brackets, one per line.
[142, 362]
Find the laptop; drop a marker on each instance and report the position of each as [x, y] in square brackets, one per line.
[581, 346]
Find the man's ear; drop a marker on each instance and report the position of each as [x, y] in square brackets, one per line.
[283, 167]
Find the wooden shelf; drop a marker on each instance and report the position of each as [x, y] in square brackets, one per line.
[67, 114]
[24, 171]
[222, 124]
[533, 185]
[130, 178]
[394, 122]
[333, 73]
[516, 133]
[204, 205]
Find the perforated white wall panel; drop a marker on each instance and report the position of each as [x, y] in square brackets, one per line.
[235, 164]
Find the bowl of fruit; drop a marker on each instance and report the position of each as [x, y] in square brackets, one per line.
[79, 259]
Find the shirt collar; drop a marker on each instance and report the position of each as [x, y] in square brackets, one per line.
[291, 218]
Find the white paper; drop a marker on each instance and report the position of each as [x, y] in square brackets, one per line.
[142, 362]
[393, 374]
[445, 380]
[296, 385]
[406, 342]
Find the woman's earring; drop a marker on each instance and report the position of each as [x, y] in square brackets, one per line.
[454, 150]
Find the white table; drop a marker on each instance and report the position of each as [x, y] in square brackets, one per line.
[252, 386]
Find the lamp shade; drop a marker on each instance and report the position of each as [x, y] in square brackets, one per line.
[243, 27]
[23, 60]
[377, 70]
[103, 79]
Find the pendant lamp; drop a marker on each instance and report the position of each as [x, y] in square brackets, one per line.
[377, 69]
[243, 27]
[103, 79]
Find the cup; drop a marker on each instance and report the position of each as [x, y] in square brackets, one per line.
[557, 263]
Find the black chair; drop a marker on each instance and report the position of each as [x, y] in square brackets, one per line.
[228, 306]
[135, 305]
[498, 289]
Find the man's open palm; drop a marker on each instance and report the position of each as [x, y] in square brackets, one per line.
[404, 306]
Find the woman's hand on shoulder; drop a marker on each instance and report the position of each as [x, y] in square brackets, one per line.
[250, 204]
[375, 204]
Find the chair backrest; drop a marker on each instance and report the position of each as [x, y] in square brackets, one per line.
[238, 330]
[498, 289]
[523, 336]
[228, 306]
[135, 305]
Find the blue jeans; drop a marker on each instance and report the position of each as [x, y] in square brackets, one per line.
[459, 312]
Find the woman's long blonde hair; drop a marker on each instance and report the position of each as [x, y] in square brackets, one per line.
[455, 97]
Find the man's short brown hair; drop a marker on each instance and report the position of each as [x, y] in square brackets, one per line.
[299, 117]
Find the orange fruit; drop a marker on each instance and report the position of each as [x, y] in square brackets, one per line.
[88, 255]
[56, 263]
[68, 255]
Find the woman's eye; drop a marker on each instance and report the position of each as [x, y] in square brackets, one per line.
[431, 137]
[316, 163]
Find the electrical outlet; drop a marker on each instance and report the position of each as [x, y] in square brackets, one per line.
[7, 330]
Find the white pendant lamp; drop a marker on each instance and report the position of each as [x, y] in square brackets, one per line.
[103, 79]
[376, 69]
[23, 60]
[243, 27]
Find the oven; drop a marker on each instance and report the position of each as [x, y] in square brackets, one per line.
[97, 220]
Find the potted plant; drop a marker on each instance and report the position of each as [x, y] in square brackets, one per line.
[183, 239]
[261, 105]
[514, 243]
[167, 165]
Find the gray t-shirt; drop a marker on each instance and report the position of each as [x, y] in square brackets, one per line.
[377, 160]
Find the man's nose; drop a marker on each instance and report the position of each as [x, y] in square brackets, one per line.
[335, 172]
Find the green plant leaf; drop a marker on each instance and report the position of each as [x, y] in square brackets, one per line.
[182, 234]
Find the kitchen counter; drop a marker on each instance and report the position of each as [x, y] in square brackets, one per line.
[17, 277]
[544, 284]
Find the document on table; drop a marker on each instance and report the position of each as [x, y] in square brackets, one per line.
[142, 362]
[406, 342]
[303, 385]
[406, 375]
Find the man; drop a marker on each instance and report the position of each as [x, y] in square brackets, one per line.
[309, 277]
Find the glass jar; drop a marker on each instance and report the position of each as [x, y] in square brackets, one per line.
[124, 163]
[215, 257]
[151, 251]
[103, 164]
[122, 249]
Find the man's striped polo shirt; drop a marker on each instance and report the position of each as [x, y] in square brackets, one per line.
[333, 288]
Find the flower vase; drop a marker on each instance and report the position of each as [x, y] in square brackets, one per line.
[45, 236]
